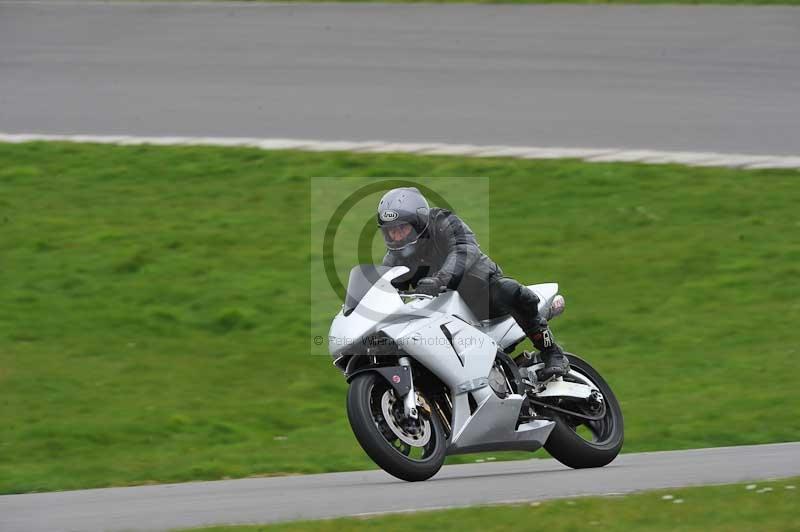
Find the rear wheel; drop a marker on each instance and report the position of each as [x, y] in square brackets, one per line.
[578, 442]
[410, 450]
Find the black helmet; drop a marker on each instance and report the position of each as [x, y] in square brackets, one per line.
[403, 217]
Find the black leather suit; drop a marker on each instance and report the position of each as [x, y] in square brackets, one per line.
[449, 251]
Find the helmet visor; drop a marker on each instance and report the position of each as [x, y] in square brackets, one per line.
[398, 236]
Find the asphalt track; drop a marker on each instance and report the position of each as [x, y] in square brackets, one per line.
[339, 494]
[724, 79]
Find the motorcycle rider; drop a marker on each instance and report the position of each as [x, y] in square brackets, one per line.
[442, 253]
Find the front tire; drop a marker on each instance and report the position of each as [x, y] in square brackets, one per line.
[566, 443]
[383, 439]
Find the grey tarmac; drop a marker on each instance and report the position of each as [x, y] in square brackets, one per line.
[693, 78]
[265, 500]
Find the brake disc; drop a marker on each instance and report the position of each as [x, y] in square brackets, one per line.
[418, 439]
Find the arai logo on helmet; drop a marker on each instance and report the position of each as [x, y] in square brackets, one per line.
[389, 216]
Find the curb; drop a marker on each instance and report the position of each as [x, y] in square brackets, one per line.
[729, 160]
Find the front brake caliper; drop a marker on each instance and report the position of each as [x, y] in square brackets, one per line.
[423, 404]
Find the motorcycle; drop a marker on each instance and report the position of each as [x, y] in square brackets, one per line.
[427, 380]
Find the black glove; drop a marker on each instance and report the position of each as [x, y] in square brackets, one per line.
[430, 286]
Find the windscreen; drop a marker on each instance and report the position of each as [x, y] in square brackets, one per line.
[362, 278]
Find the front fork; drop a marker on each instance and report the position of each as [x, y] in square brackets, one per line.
[410, 399]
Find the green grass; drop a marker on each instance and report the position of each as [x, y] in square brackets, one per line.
[156, 321]
[731, 508]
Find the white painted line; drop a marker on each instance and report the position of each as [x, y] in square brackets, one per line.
[683, 157]
[452, 149]
[397, 147]
[778, 162]
[507, 151]
[596, 155]
[627, 156]
[734, 161]
[566, 153]
[336, 146]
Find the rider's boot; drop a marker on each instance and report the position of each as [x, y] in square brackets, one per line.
[555, 362]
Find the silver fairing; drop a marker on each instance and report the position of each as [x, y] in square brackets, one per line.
[440, 334]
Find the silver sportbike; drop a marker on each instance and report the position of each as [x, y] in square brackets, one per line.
[427, 379]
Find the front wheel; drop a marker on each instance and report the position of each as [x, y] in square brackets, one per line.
[576, 441]
[407, 449]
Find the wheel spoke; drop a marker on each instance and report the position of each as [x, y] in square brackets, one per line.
[595, 427]
[600, 429]
[414, 443]
[404, 448]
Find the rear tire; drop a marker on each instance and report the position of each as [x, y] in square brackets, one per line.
[568, 447]
[365, 416]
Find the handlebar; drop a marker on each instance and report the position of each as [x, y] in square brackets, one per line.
[414, 294]
[421, 296]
